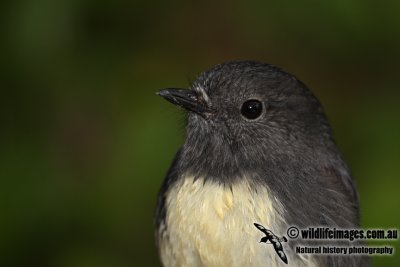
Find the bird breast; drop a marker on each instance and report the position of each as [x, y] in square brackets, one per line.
[210, 224]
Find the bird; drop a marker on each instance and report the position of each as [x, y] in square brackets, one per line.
[274, 240]
[258, 148]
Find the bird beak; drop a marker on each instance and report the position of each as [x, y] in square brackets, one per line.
[187, 99]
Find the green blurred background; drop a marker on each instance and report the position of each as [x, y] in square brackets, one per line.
[85, 142]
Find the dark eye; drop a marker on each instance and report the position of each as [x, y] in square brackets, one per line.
[252, 109]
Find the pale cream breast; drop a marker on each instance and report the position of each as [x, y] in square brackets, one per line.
[209, 224]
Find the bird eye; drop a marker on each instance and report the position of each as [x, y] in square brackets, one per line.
[252, 109]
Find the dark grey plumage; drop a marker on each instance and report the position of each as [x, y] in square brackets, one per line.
[289, 149]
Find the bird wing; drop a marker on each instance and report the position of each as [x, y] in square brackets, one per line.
[279, 250]
[170, 178]
[340, 176]
[261, 228]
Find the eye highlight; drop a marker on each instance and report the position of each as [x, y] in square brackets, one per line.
[252, 109]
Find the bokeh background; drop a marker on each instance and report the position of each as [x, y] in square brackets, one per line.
[85, 142]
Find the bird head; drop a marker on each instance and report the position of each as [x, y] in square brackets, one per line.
[242, 115]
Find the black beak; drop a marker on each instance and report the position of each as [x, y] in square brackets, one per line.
[187, 99]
